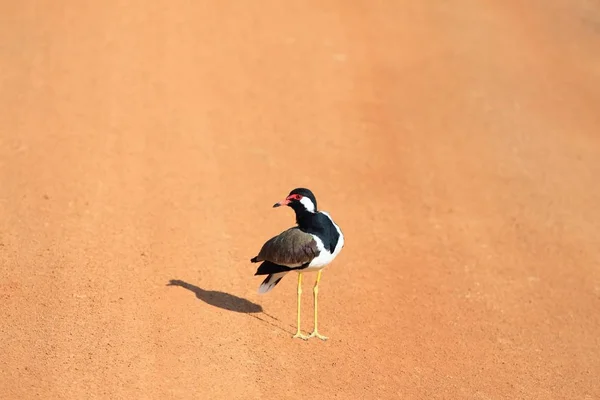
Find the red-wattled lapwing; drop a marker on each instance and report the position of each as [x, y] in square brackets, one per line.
[310, 246]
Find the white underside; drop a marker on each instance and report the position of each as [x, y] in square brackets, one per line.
[325, 257]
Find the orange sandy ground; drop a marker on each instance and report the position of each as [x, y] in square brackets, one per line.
[457, 144]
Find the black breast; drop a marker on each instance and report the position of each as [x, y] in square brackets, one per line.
[320, 225]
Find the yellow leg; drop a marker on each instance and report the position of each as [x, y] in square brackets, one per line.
[298, 334]
[315, 332]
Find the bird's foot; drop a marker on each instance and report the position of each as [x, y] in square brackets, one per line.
[317, 335]
[299, 335]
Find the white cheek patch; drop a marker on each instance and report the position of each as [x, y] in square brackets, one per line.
[308, 204]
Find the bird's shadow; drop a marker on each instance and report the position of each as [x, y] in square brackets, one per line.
[229, 302]
[222, 300]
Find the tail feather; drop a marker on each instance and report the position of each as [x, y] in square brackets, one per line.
[268, 267]
[270, 281]
[274, 272]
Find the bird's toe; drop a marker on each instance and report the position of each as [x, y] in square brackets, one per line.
[318, 335]
[299, 335]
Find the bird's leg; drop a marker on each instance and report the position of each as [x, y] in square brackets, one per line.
[298, 334]
[315, 332]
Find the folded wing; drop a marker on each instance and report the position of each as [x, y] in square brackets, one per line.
[291, 248]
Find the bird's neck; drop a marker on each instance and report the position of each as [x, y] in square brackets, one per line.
[304, 217]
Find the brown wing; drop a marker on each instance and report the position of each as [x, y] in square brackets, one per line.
[292, 248]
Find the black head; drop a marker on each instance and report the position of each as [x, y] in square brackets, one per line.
[300, 199]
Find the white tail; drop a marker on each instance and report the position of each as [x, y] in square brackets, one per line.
[270, 282]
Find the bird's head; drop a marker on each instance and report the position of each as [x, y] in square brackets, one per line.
[299, 199]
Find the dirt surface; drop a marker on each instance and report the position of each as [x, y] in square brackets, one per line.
[456, 143]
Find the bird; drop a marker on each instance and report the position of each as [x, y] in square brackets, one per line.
[312, 244]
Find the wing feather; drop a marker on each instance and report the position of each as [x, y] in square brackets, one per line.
[292, 247]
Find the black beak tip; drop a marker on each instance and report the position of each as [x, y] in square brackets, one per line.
[276, 205]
